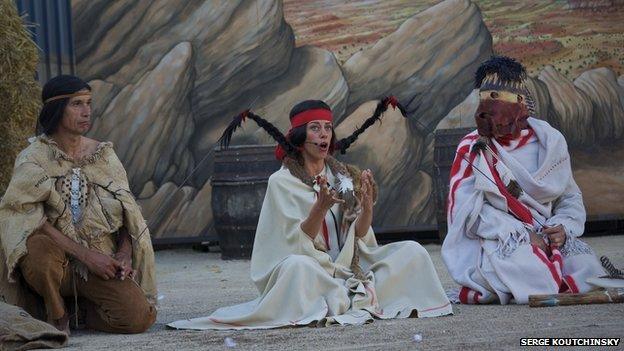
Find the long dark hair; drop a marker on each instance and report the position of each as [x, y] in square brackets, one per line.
[382, 106]
[52, 112]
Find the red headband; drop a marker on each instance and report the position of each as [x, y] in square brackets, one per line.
[318, 114]
[304, 117]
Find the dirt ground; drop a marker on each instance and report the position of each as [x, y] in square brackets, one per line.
[193, 284]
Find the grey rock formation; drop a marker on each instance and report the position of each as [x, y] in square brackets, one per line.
[393, 153]
[169, 76]
[150, 121]
[462, 115]
[541, 96]
[607, 98]
[572, 108]
[313, 74]
[427, 63]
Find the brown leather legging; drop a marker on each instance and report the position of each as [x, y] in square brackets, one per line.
[118, 306]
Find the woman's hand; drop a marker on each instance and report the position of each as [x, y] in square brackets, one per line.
[366, 197]
[365, 218]
[325, 198]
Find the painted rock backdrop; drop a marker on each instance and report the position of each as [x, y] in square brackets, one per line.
[168, 76]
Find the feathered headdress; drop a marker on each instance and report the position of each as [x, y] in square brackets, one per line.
[502, 73]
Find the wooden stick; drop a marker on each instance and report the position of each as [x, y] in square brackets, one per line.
[593, 297]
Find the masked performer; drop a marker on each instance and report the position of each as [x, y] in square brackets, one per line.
[515, 213]
[70, 227]
[315, 258]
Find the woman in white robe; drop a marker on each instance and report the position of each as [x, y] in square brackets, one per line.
[315, 258]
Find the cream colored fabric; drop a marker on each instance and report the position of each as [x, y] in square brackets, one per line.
[300, 285]
[37, 192]
[20, 331]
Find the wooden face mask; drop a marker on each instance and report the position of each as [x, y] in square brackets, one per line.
[501, 114]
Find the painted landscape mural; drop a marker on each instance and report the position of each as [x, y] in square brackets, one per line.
[168, 76]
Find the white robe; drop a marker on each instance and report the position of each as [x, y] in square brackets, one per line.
[487, 249]
[300, 285]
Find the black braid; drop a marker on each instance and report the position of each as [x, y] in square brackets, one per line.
[272, 130]
[344, 143]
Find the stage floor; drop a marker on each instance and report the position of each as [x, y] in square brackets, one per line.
[193, 284]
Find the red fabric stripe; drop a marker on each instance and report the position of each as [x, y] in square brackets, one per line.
[461, 150]
[435, 308]
[470, 136]
[477, 296]
[471, 296]
[467, 173]
[525, 139]
[459, 156]
[556, 256]
[463, 295]
[226, 323]
[326, 234]
[542, 256]
[572, 284]
[517, 208]
[373, 295]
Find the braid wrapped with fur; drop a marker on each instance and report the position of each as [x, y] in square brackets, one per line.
[344, 143]
[272, 130]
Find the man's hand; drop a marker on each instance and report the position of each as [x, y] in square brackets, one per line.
[125, 258]
[556, 235]
[124, 254]
[102, 265]
[539, 242]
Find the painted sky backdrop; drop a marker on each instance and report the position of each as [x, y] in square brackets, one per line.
[573, 36]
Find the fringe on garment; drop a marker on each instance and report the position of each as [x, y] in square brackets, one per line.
[508, 246]
[57, 153]
[574, 246]
[453, 295]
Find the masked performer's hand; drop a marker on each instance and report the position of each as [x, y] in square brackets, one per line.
[556, 235]
[539, 242]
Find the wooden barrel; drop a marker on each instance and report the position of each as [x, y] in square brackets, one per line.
[444, 146]
[239, 183]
